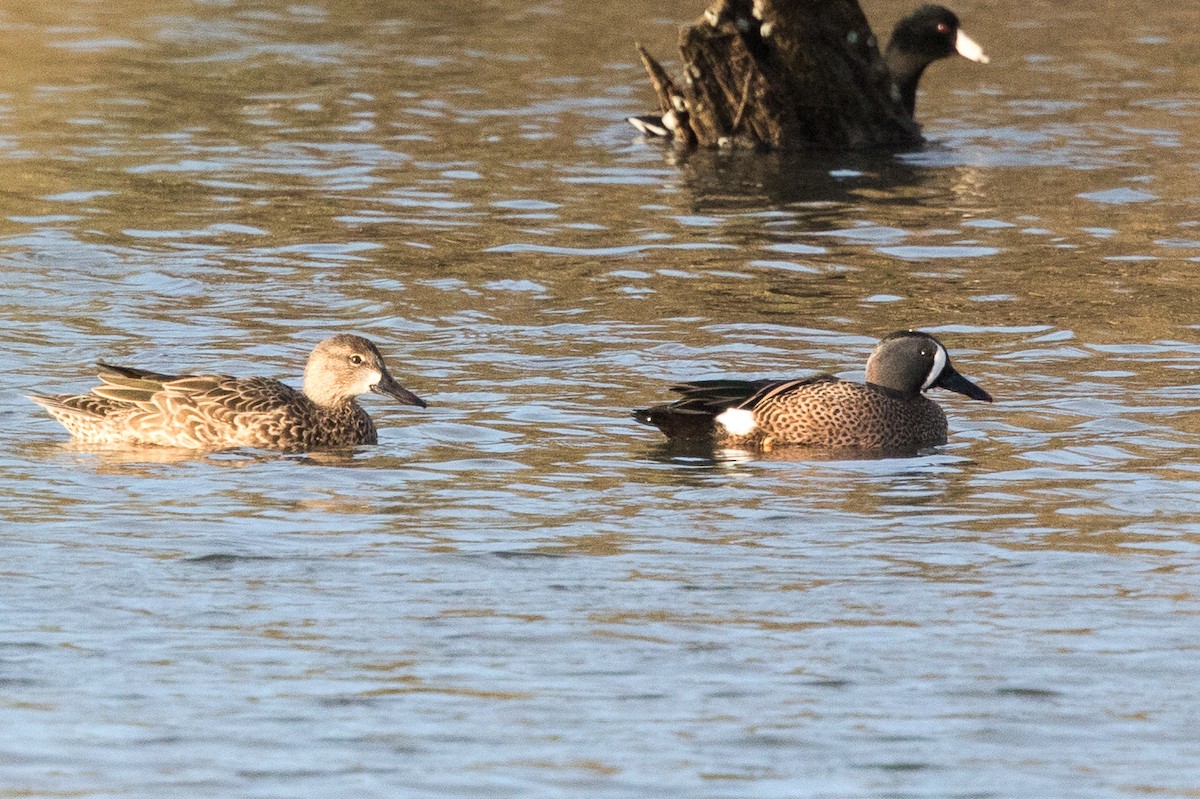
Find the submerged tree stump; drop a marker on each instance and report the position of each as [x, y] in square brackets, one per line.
[782, 74]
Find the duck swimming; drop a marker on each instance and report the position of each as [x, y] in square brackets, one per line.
[889, 412]
[135, 407]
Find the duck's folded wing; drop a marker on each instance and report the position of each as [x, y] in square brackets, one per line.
[231, 394]
[129, 385]
[703, 400]
[715, 396]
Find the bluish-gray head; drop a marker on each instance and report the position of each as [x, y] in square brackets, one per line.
[909, 362]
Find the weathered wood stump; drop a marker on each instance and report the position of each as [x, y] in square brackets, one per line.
[782, 74]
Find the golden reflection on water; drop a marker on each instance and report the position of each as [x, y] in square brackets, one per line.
[525, 576]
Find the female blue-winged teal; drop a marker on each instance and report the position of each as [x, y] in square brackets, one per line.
[211, 412]
[888, 412]
[926, 35]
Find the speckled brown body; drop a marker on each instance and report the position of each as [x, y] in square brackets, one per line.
[889, 412]
[836, 414]
[217, 412]
[210, 412]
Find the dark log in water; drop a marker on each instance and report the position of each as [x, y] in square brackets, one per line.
[780, 73]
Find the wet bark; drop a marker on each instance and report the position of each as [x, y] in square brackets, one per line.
[781, 74]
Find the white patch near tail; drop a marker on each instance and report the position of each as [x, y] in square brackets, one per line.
[939, 363]
[737, 421]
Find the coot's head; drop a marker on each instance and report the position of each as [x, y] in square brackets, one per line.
[924, 36]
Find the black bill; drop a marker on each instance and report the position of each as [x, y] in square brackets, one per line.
[951, 380]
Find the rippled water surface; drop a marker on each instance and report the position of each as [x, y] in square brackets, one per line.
[520, 591]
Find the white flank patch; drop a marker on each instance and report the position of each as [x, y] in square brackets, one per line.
[967, 48]
[939, 363]
[737, 421]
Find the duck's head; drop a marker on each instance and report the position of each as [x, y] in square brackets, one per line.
[345, 366]
[908, 362]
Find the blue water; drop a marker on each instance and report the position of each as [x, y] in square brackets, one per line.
[520, 591]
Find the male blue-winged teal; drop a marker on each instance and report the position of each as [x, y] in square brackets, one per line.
[211, 412]
[926, 35]
[888, 412]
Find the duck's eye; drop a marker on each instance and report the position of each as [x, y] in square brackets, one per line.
[357, 360]
[942, 27]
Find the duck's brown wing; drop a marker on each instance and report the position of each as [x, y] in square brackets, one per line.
[238, 395]
[130, 386]
[216, 411]
[192, 400]
[121, 388]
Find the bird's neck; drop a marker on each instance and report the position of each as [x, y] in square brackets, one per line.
[906, 69]
[896, 393]
[329, 402]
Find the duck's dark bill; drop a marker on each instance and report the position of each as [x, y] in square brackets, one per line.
[953, 381]
[389, 387]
